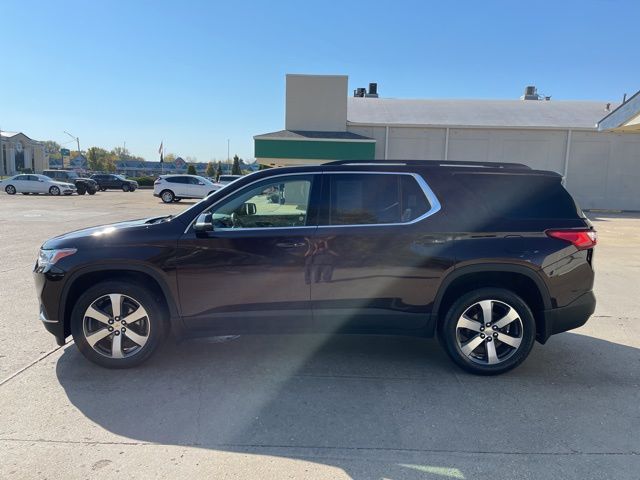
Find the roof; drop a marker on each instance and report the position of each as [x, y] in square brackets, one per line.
[624, 114]
[310, 135]
[476, 113]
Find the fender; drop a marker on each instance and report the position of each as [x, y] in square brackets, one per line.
[174, 315]
[490, 267]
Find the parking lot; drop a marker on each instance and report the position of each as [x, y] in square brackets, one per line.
[313, 407]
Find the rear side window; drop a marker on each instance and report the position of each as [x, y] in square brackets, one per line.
[370, 199]
[175, 179]
[520, 196]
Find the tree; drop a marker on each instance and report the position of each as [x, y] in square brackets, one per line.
[99, 160]
[235, 170]
[191, 170]
[170, 157]
[211, 170]
[51, 147]
[219, 170]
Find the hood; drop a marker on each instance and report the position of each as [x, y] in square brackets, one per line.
[64, 184]
[98, 234]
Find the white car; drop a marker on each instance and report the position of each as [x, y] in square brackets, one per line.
[173, 188]
[32, 183]
[227, 179]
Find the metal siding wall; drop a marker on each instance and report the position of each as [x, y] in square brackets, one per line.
[604, 168]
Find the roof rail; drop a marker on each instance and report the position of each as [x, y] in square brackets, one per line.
[431, 163]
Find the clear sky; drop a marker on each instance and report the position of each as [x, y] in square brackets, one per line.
[196, 73]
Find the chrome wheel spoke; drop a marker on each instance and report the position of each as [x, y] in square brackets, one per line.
[116, 347]
[139, 314]
[492, 355]
[487, 309]
[97, 315]
[469, 323]
[471, 345]
[139, 339]
[507, 319]
[116, 304]
[95, 337]
[509, 340]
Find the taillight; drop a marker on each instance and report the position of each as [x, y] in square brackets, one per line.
[581, 239]
[157, 181]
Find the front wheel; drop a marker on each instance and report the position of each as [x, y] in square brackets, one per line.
[167, 196]
[55, 191]
[81, 191]
[91, 192]
[488, 331]
[10, 189]
[103, 189]
[118, 324]
[125, 188]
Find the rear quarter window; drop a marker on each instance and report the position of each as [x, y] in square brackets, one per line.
[519, 196]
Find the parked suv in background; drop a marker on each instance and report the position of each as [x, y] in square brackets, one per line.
[173, 188]
[83, 185]
[488, 257]
[112, 181]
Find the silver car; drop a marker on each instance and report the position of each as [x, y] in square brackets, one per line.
[32, 183]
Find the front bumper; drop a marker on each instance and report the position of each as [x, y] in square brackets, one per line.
[574, 315]
[49, 291]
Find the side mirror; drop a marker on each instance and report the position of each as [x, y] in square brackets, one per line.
[247, 209]
[200, 183]
[204, 223]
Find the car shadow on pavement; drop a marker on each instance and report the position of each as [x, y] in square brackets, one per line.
[374, 406]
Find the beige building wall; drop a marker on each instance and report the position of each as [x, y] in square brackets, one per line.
[316, 103]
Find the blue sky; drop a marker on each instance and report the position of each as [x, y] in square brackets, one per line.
[195, 74]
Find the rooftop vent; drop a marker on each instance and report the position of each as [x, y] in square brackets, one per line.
[362, 92]
[530, 93]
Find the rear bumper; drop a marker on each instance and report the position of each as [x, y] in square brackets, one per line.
[574, 315]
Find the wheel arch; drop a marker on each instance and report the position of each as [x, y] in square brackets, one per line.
[523, 281]
[146, 276]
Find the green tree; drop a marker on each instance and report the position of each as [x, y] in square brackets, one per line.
[51, 147]
[170, 157]
[191, 170]
[211, 170]
[235, 170]
[219, 170]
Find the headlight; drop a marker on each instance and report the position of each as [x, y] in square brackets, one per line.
[47, 258]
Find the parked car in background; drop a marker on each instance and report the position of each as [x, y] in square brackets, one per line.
[32, 183]
[83, 185]
[108, 181]
[487, 257]
[173, 188]
[225, 179]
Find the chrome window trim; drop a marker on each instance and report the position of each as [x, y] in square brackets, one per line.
[431, 197]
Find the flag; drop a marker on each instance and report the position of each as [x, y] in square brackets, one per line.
[161, 152]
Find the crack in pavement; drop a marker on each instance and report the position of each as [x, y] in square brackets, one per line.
[35, 362]
[323, 448]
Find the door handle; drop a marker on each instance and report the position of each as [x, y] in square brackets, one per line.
[290, 244]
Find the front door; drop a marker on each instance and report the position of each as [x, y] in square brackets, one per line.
[248, 273]
[378, 255]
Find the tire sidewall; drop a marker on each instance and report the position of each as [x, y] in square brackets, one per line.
[55, 191]
[447, 331]
[125, 188]
[10, 189]
[151, 303]
[162, 194]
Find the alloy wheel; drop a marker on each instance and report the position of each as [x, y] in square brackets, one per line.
[116, 326]
[167, 196]
[11, 190]
[54, 191]
[489, 332]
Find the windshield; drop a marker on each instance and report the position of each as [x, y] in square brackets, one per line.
[121, 177]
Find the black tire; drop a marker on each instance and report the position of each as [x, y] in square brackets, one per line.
[10, 189]
[177, 199]
[156, 318]
[476, 361]
[91, 192]
[167, 196]
[25, 193]
[103, 189]
[125, 188]
[81, 191]
[55, 191]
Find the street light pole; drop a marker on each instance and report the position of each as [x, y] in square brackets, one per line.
[228, 158]
[77, 139]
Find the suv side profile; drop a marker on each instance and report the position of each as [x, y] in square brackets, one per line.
[173, 188]
[83, 185]
[112, 181]
[487, 257]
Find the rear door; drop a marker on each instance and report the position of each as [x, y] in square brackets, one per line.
[376, 259]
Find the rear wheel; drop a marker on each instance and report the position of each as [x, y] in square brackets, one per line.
[54, 191]
[10, 189]
[167, 196]
[91, 192]
[488, 331]
[118, 324]
[81, 191]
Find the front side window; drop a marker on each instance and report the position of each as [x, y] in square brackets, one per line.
[370, 199]
[281, 202]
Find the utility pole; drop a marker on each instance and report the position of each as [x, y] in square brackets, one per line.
[77, 139]
[228, 158]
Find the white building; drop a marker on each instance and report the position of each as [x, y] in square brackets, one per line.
[601, 169]
[19, 152]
